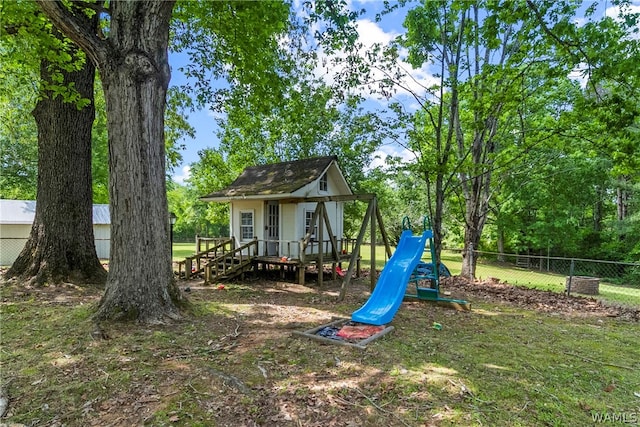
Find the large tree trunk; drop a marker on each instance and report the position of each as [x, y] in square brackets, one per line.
[134, 67]
[135, 80]
[476, 194]
[61, 245]
[472, 234]
[622, 198]
[500, 242]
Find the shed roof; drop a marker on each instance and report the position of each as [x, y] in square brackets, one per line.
[24, 212]
[277, 179]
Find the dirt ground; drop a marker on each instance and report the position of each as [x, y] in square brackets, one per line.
[494, 291]
[490, 290]
[272, 304]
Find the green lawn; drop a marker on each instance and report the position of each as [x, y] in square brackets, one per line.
[516, 276]
[183, 250]
[234, 361]
[506, 273]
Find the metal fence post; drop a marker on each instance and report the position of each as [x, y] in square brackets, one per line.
[571, 269]
[471, 261]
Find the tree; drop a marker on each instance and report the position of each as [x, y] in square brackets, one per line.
[579, 146]
[18, 138]
[61, 244]
[132, 60]
[277, 109]
[484, 52]
[131, 56]
[210, 173]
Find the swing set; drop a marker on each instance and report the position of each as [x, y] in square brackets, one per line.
[429, 273]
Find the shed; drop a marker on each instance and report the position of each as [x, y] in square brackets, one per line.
[16, 219]
[291, 215]
[271, 204]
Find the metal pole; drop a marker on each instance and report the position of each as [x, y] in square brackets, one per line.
[172, 220]
[571, 268]
[470, 261]
[171, 240]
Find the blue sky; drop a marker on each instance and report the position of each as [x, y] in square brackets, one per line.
[370, 32]
[204, 121]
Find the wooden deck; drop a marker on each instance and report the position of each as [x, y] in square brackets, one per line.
[232, 263]
[221, 259]
[299, 267]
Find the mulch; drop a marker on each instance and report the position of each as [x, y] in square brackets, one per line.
[540, 300]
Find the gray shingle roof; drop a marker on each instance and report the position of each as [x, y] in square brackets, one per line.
[276, 178]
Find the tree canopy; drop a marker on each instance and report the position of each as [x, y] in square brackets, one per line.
[525, 138]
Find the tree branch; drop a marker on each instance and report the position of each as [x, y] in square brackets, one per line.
[568, 46]
[74, 28]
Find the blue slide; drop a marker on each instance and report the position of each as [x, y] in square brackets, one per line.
[388, 294]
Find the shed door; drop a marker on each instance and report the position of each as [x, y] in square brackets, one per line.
[273, 228]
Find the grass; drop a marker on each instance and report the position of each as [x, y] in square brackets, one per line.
[183, 250]
[516, 276]
[496, 365]
[610, 293]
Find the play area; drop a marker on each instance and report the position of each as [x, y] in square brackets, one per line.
[411, 272]
[405, 275]
[237, 360]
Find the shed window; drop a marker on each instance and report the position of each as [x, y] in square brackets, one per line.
[246, 225]
[308, 215]
[324, 184]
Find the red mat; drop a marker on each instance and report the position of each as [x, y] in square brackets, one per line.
[358, 332]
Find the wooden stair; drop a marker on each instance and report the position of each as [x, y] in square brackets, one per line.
[231, 264]
[523, 261]
[195, 264]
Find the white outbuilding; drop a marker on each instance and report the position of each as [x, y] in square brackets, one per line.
[16, 219]
[271, 203]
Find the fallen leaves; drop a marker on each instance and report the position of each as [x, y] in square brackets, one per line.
[535, 299]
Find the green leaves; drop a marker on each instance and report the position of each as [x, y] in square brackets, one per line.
[236, 43]
[425, 31]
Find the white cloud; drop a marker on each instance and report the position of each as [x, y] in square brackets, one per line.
[580, 74]
[184, 174]
[216, 114]
[633, 8]
[580, 21]
[370, 33]
[414, 81]
[383, 152]
[614, 11]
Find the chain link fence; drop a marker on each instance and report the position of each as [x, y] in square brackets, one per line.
[10, 248]
[614, 282]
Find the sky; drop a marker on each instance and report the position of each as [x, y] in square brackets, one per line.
[370, 32]
[204, 121]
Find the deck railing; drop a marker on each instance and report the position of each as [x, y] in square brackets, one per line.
[230, 262]
[225, 257]
[200, 258]
[296, 249]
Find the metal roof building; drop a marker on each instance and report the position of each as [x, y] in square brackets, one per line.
[16, 218]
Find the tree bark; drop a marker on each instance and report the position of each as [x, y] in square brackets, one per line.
[501, 257]
[622, 198]
[476, 190]
[134, 67]
[135, 79]
[61, 244]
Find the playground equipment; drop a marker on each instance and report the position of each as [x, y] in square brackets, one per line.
[427, 273]
[389, 292]
[404, 268]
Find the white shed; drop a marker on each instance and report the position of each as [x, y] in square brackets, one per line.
[16, 219]
[268, 203]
